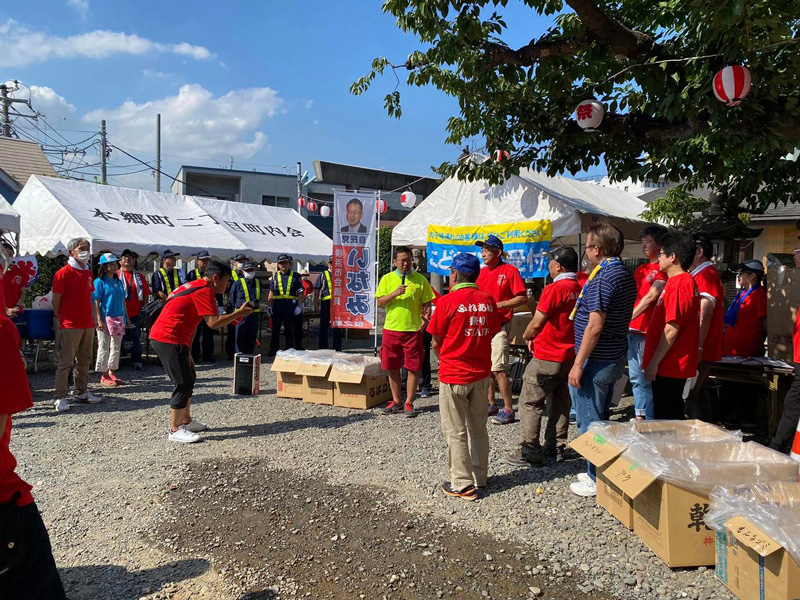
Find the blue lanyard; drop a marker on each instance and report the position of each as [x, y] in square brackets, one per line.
[732, 314]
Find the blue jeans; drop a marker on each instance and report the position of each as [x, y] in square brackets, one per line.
[642, 389]
[593, 399]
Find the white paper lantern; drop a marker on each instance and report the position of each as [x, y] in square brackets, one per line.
[311, 206]
[589, 114]
[325, 211]
[301, 202]
[408, 199]
[381, 206]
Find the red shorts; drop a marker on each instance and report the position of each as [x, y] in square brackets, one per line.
[402, 349]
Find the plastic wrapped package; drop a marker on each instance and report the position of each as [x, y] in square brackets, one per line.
[772, 507]
[699, 466]
[622, 434]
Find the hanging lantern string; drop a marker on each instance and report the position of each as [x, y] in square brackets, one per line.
[380, 192]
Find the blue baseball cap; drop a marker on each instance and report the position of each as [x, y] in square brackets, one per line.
[466, 263]
[167, 254]
[249, 266]
[239, 257]
[203, 254]
[284, 258]
[492, 241]
[108, 257]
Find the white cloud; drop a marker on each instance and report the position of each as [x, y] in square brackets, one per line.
[194, 122]
[155, 73]
[309, 104]
[81, 6]
[23, 46]
[47, 101]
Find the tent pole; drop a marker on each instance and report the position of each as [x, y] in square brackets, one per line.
[377, 267]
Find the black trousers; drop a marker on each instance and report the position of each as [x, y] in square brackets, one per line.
[282, 315]
[31, 570]
[668, 398]
[203, 344]
[698, 404]
[298, 331]
[325, 325]
[246, 334]
[175, 359]
[787, 426]
[427, 340]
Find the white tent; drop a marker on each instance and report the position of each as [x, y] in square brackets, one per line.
[572, 206]
[53, 211]
[9, 219]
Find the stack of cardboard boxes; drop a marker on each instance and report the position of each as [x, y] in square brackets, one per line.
[339, 380]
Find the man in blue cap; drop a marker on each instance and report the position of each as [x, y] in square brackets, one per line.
[167, 278]
[285, 303]
[247, 290]
[502, 282]
[230, 342]
[463, 325]
[203, 343]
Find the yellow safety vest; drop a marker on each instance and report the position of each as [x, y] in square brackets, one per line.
[234, 275]
[177, 281]
[328, 279]
[281, 295]
[247, 292]
[197, 273]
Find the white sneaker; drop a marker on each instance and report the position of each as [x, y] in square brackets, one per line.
[61, 405]
[196, 426]
[586, 489]
[87, 397]
[183, 435]
[584, 477]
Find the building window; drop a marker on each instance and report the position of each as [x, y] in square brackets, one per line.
[279, 201]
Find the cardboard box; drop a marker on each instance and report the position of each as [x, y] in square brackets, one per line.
[753, 565]
[519, 322]
[360, 387]
[316, 387]
[669, 518]
[783, 298]
[290, 384]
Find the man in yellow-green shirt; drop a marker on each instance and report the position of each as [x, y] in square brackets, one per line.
[406, 295]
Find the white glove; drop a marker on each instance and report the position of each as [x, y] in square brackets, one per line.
[298, 311]
[269, 312]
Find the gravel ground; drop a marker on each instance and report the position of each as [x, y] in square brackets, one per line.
[252, 512]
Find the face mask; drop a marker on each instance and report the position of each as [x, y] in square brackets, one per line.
[84, 256]
[249, 274]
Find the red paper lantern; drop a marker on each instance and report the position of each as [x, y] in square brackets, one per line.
[381, 206]
[501, 155]
[311, 206]
[301, 202]
[732, 84]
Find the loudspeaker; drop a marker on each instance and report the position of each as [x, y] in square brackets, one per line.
[246, 374]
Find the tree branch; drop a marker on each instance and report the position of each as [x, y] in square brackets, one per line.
[532, 52]
[645, 127]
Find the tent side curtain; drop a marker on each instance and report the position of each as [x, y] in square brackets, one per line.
[9, 218]
[53, 211]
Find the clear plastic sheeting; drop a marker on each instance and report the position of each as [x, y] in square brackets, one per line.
[352, 363]
[772, 507]
[699, 466]
[623, 434]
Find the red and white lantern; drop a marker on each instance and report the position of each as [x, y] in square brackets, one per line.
[408, 199]
[325, 211]
[301, 202]
[311, 206]
[589, 114]
[732, 84]
[381, 206]
[501, 155]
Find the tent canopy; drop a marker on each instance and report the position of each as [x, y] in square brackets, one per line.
[54, 211]
[9, 219]
[572, 206]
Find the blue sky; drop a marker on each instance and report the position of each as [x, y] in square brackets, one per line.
[265, 82]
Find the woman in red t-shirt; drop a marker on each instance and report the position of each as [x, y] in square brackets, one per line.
[746, 317]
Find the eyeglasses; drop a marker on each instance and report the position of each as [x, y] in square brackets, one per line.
[590, 246]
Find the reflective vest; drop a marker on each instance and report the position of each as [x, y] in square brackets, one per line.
[328, 280]
[287, 295]
[247, 292]
[197, 273]
[176, 280]
[234, 275]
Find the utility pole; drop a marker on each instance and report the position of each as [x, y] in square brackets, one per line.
[6, 101]
[103, 152]
[158, 152]
[299, 185]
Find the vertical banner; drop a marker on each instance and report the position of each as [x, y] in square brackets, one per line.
[353, 273]
[525, 244]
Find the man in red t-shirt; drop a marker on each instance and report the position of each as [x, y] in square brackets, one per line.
[27, 568]
[786, 432]
[670, 349]
[172, 336]
[74, 309]
[462, 326]
[712, 311]
[649, 283]
[502, 282]
[746, 317]
[136, 293]
[552, 337]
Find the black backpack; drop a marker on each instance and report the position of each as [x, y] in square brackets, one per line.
[150, 311]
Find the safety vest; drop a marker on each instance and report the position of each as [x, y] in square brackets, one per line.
[287, 295]
[197, 273]
[234, 275]
[176, 279]
[328, 280]
[247, 292]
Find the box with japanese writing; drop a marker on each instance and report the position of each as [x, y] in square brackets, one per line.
[669, 483]
[359, 385]
[758, 539]
[290, 384]
[606, 440]
[316, 387]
